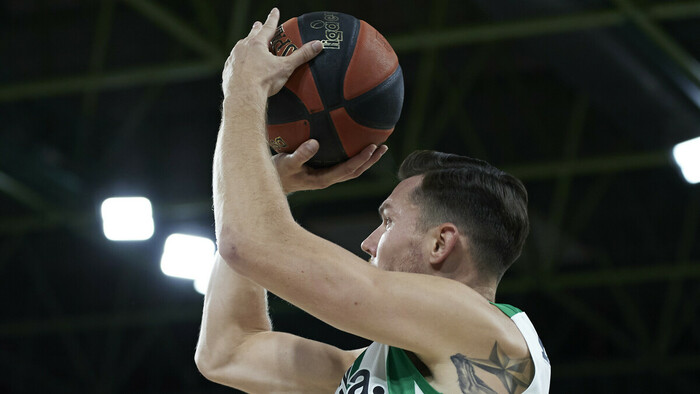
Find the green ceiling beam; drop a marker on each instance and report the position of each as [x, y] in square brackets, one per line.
[148, 75]
[668, 324]
[360, 188]
[238, 21]
[658, 36]
[415, 41]
[22, 193]
[489, 32]
[589, 166]
[207, 18]
[560, 199]
[177, 28]
[650, 366]
[603, 277]
[416, 107]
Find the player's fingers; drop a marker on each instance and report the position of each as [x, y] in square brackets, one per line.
[307, 52]
[256, 27]
[345, 170]
[303, 153]
[270, 25]
[376, 155]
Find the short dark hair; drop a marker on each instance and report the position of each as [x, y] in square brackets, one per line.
[488, 204]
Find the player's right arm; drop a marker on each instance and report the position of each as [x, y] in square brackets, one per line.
[236, 346]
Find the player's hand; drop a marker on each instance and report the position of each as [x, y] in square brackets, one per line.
[251, 64]
[295, 176]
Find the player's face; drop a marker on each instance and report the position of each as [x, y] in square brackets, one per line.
[396, 244]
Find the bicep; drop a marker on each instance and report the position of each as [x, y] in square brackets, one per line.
[281, 362]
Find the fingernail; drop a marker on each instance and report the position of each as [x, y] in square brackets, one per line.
[317, 45]
[257, 23]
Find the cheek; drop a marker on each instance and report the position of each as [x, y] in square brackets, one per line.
[384, 243]
[381, 242]
[391, 243]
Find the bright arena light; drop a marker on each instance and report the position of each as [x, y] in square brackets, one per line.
[201, 282]
[687, 156]
[186, 256]
[127, 218]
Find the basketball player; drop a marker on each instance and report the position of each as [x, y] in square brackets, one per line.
[449, 230]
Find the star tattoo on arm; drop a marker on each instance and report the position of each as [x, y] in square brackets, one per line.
[511, 372]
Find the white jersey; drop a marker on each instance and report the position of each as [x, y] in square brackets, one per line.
[383, 369]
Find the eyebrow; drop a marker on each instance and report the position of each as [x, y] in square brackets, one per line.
[385, 205]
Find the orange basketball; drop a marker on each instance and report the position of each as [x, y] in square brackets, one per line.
[348, 97]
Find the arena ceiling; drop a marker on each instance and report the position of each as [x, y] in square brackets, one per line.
[583, 100]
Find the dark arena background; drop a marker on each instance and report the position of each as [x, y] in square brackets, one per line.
[582, 100]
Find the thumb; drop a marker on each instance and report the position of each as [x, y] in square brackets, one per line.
[304, 153]
[307, 52]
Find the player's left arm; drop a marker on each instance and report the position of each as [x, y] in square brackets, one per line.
[258, 237]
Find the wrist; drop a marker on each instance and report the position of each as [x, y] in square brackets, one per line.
[244, 110]
[246, 97]
[241, 90]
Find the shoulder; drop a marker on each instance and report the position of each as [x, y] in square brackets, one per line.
[494, 330]
[497, 357]
[469, 324]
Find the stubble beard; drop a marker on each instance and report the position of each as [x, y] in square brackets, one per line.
[409, 262]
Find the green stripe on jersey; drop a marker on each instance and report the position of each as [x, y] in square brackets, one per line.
[356, 364]
[402, 375]
[509, 310]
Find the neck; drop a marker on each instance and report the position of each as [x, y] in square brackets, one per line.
[470, 276]
[483, 286]
[488, 292]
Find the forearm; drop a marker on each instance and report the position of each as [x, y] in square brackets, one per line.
[255, 229]
[234, 308]
[248, 197]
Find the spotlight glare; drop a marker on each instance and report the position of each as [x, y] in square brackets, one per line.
[687, 156]
[201, 282]
[127, 218]
[186, 256]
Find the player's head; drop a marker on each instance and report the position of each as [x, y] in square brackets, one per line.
[397, 243]
[486, 204]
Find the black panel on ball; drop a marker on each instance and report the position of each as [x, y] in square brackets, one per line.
[285, 107]
[338, 32]
[323, 131]
[380, 107]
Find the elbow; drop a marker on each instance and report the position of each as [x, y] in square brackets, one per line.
[213, 367]
[235, 249]
[229, 252]
[239, 258]
[206, 365]
[228, 372]
[248, 251]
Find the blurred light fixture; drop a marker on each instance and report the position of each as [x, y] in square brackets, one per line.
[127, 218]
[201, 282]
[687, 156]
[186, 256]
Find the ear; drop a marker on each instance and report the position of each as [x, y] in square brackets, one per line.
[444, 242]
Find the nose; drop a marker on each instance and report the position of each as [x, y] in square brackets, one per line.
[369, 245]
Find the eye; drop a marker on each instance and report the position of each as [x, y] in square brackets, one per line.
[387, 222]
